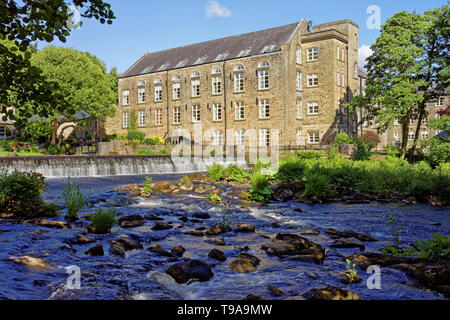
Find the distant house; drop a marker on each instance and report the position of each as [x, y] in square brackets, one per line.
[6, 127]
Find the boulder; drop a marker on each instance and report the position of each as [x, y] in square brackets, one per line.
[347, 280]
[202, 215]
[178, 251]
[123, 244]
[310, 233]
[286, 191]
[131, 221]
[187, 187]
[242, 265]
[49, 224]
[335, 234]
[250, 257]
[192, 269]
[95, 251]
[195, 233]
[215, 230]
[365, 260]
[252, 297]
[218, 255]
[312, 255]
[81, 239]
[160, 252]
[246, 228]
[348, 243]
[201, 189]
[161, 226]
[130, 188]
[276, 292]
[331, 293]
[32, 263]
[197, 177]
[163, 187]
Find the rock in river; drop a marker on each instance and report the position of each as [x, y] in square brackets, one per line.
[32, 263]
[335, 234]
[192, 269]
[123, 244]
[331, 293]
[95, 251]
[215, 230]
[349, 243]
[131, 221]
[218, 255]
[49, 224]
[242, 265]
[178, 251]
[81, 239]
[246, 227]
[161, 226]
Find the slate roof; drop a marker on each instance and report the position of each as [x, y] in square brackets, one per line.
[264, 41]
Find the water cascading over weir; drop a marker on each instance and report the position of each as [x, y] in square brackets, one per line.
[98, 166]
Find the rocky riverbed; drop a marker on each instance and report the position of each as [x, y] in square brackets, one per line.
[172, 245]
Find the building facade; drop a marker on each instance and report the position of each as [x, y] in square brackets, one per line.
[294, 78]
[6, 127]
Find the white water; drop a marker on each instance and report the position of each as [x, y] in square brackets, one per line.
[96, 166]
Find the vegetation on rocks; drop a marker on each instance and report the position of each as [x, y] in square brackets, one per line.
[74, 200]
[102, 221]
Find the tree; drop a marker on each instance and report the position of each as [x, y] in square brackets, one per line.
[408, 69]
[24, 22]
[83, 81]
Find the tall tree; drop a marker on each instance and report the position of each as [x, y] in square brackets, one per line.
[83, 81]
[24, 22]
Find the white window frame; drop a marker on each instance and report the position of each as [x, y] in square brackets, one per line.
[239, 110]
[313, 80]
[176, 88]
[338, 53]
[264, 109]
[298, 56]
[158, 93]
[141, 95]
[411, 135]
[439, 102]
[126, 97]
[239, 84]
[314, 137]
[263, 79]
[313, 108]
[196, 114]
[264, 137]
[176, 115]
[240, 137]
[339, 79]
[217, 84]
[299, 81]
[312, 54]
[299, 137]
[141, 118]
[217, 112]
[195, 85]
[299, 109]
[158, 117]
[424, 135]
[396, 136]
[217, 138]
[126, 119]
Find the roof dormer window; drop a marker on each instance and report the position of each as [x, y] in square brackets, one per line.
[222, 56]
[201, 59]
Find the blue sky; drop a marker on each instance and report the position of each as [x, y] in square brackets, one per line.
[148, 25]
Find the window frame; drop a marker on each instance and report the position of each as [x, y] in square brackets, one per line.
[315, 80]
[158, 117]
[126, 119]
[196, 111]
[158, 93]
[316, 136]
[315, 106]
[195, 88]
[176, 91]
[239, 111]
[312, 54]
[176, 113]
[126, 93]
[239, 82]
[216, 84]
[217, 112]
[264, 109]
[264, 79]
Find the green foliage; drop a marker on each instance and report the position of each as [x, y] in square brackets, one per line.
[342, 139]
[370, 139]
[74, 200]
[20, 194]
[54, 150]
[154, 141]
[290, 169]
[102, 221]
[144, 152]
[396, 231]
[363, 152]
[317, 186]
[260, 187]
[185, 180]
[333, 153]
[308, 155]
[38, 131]
[213, 152]
[439, 151]
[436, 248]
[215, 198]
[351, 272]
[148, 185]
[215, 171]
[234, 173]
[442, 123]
[136, 135]
[399, 252]
[227, 222]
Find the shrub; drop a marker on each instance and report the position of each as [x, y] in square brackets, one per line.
[20, 194]
[144, 152]
[215, 172]
[308, 155]
[341, 139]
[439, 151]
[135, 135]
[363, 151]
[54, 150]
[154, 141]
[317, 186]
[148, 185]
[260, 187]
[185, 180]
[38, 131]
[291, 169]
[333, 153]
[227, 223]
[234, 173]
[370, 139]
[74, 200]
[102, 221]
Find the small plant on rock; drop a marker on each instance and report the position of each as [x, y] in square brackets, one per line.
[260, 187]
[185, 180]
[215, 198]
[227, 223]
[351, 273]
[148, 186]
[102, 221]
[74, 200]
[215, 172]
[396, 231]
[235, 173]
[436, 248]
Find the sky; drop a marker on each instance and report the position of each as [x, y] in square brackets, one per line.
[148, 25]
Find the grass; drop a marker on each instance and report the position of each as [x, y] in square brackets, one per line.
[74, 200]
[102, 221]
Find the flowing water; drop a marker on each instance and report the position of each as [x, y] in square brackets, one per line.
[141, 274]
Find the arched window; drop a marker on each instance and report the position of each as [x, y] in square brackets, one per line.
[217, 71]
[263, 64]
[176, 77]
[141, 83]
[158, 80]
[239, 67]
[196, 74]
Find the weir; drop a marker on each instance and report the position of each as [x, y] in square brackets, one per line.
[98, 166]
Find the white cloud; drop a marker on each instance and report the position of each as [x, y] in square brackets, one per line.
[364, 52]
[216, 10]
